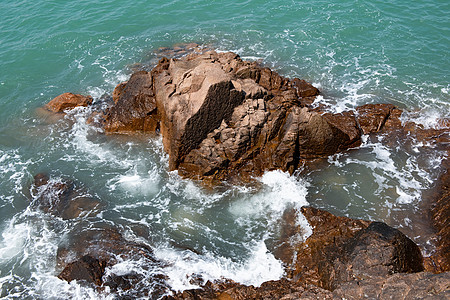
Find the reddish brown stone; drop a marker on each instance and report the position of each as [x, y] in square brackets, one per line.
[440, 215]
[135, 107]
[342, 249]
[372, 117]
[68, 101]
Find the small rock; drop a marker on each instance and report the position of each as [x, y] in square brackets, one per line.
[68, 101]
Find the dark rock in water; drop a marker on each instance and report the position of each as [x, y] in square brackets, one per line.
[62, 198]
[68, 101]
[342, 249]
[329, 232]
[87, 269]
[108, 247]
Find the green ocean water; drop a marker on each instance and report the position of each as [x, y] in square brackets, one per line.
[355, 52]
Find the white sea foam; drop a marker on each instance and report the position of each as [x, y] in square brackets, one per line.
[407, 178]
[279, 192]
[183, 266]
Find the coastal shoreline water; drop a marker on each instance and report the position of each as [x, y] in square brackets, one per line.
[355, 54]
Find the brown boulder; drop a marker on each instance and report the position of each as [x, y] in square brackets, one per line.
[342, 250]
[87, 269]
[221, 116]
[68, 101]
[135, 107]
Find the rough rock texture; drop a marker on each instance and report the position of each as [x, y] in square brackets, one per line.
[398, 286]
[62, 198]
[373, 117]
[91, 253]
[440, 215]
[280, 289]
[86, 269]
[68, 101]
[343, 259]
[222, 117]
[342, 249]
[135, 107]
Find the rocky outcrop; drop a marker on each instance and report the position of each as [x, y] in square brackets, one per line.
[440, 216]
[343, 258]
[222, 117]
[342, 249]
[68, 101]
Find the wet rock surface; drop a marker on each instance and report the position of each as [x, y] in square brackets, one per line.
[95, 255]
[440, 215]
[342, 249]
[68, 101]
[63, 198]
[343, 258]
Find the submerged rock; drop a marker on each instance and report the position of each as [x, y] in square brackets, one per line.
[68, 101]
[102, 257]
[62, 198]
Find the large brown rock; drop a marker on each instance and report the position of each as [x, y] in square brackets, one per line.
[68, 101]
[221, 116]
[342, 250]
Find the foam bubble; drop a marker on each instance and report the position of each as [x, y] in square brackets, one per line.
[183, 266]
[279, 192]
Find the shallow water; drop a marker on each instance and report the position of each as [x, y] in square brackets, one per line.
[355, 52]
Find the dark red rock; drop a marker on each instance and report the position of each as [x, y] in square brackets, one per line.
[87, 269]
[68, 101]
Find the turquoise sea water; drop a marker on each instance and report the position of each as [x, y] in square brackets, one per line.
[356, 52]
